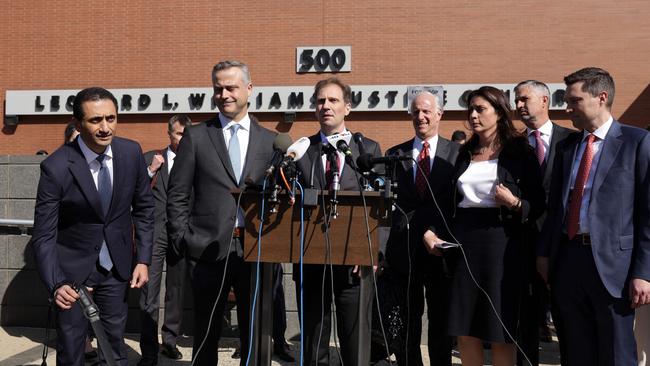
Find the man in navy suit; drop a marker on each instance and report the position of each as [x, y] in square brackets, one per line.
[93, 200]
[595, 244]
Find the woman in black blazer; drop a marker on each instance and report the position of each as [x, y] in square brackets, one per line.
[498, 190]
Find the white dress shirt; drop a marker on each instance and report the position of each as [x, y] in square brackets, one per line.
[417, 147]
[170, 159]
[545, 133]
[93, 164]
[600, 133]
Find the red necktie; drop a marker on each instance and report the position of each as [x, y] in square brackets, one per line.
[575, 200]
[539, 147]
[423, 171]
[329, 174]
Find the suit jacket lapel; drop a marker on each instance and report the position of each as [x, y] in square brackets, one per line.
[568, 156]
[251, 150]
[164, 171]
[555, 136]
[610, 148]
[81, 173]
[442, 154]
[215, 133]
[119, 170]
[315, 160]
[404, 149]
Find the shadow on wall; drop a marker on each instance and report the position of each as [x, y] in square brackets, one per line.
[637, 113]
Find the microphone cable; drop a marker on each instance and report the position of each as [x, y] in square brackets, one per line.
[372, 263]
[223, 280]
[302, 250]
[257, 274]
[487, 296]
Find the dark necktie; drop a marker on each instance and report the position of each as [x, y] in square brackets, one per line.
[575, 200]
[539, 147]
[105, 189]
[329, 173]
[423, 171]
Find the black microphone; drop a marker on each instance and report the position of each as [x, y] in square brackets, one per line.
[358, 138]
[280, 145]
[343, 147]
[367, 161]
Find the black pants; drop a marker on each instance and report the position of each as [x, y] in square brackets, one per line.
[597, 327]
[318, 314]
[109, 293]
[206, 280]
[433, 287]
[150, 302]
[279, 307]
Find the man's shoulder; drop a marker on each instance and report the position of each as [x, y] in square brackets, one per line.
[60, 156]
[402, 146]
[255, 123]
[633, 132]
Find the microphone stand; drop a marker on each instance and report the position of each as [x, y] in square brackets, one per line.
[336, 183]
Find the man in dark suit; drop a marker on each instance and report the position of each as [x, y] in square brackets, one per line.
[92, 194]
[333, 104]
[159, 165]
[435, 158]
[221, 154]
[595, 244]
[532, 99]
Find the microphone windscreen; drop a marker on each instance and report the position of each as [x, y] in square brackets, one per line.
[282, 142]
[364, 162]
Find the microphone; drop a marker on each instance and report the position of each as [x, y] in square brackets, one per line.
[296, 151]
[280, 146]
[335, 138]
[358, 138]
[367, 161]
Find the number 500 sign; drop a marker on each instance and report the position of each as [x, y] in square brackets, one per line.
[323, 59]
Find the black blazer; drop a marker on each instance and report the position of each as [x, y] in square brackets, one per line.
[558, 134]
[202, 228]
[159, 191]
[421, 214]
[69, 223]
[518, 170]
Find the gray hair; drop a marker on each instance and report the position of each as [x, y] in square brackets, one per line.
[539, 87]
[223, 65]
[426, 92]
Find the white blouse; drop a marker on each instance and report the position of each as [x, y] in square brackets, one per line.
[478, 183]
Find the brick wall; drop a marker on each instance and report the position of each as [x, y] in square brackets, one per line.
[55, 45]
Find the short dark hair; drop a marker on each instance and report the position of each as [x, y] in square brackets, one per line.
[595, 80]
[69, 130]
[347, 91]
[458, 135]
[90, 94]
[183, 119]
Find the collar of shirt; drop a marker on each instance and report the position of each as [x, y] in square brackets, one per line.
[601, 131]
[90, 155]
[226, 122]
[170, 158]
[545, 130]
[418, 143]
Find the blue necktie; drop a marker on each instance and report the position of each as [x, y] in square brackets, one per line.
[105, 189]
[234, 150]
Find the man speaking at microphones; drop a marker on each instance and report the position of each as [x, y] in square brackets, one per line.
[214, 157]
[333, 104]
[435, 157]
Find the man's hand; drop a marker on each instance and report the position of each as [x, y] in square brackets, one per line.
[65, 296]
[542, 268]
[140, 275]
[430, 240]
[639, 292]
[156, 163]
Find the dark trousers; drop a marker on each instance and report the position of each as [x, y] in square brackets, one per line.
[597, 328]
[109, 293]
[279, 307]
[318, 314]
[150, 302]
[206, 280]
[433, 287]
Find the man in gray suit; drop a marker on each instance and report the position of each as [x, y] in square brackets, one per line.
[214, 157]
[159, 165]
[595, 244]
[532, 99]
